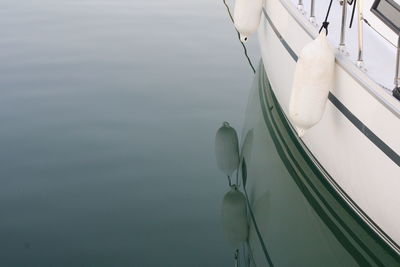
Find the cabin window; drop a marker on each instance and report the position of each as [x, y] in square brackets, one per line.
[389, 12]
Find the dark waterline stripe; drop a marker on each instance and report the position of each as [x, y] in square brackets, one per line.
[388, 151]
[365, 130]
[285, 44]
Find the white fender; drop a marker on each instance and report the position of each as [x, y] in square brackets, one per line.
[227, 149]
[313, 78]
[234, 219]
[247, 15]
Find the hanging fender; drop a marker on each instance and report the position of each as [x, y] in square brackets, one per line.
[313, 78]
[246, 16]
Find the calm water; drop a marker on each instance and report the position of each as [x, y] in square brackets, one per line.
[108, 111]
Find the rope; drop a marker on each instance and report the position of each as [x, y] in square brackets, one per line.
[325, 24]
[352, 13]
[229, 180]
[238, 34]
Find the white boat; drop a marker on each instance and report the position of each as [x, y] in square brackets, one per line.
[346, 168]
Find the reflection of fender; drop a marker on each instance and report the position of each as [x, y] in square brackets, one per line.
[245, 154]
[234, 217]
[227, 149]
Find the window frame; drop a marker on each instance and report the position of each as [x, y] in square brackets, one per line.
[383, 18]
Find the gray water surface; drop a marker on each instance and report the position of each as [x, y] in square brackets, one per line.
[108, 111]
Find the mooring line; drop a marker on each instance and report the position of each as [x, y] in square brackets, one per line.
[244, 47]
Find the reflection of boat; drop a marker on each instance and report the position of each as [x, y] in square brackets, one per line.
[299, 214]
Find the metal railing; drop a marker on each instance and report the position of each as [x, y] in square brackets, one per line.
[360, 32]
[312, 12]
[342, 43]
[360, 37]
[397, 77]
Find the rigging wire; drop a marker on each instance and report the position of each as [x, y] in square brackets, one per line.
[369, 24]
[238, 34]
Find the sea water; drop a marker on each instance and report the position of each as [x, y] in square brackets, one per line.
[108, 112]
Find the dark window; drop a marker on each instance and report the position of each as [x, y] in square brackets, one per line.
[389, 12]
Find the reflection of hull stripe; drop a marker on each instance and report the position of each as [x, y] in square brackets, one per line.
[294, 168]
[313, 199]
[359, 125]
[267, 256]
[389, 152]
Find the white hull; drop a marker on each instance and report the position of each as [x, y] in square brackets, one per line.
[357, 141]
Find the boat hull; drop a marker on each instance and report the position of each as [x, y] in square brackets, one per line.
[356, 143]
[297, 218]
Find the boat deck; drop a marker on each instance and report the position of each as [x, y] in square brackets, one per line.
[379, 52]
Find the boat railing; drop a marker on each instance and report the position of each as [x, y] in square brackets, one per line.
[360, 32]
[342, 43]
[312, 12]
